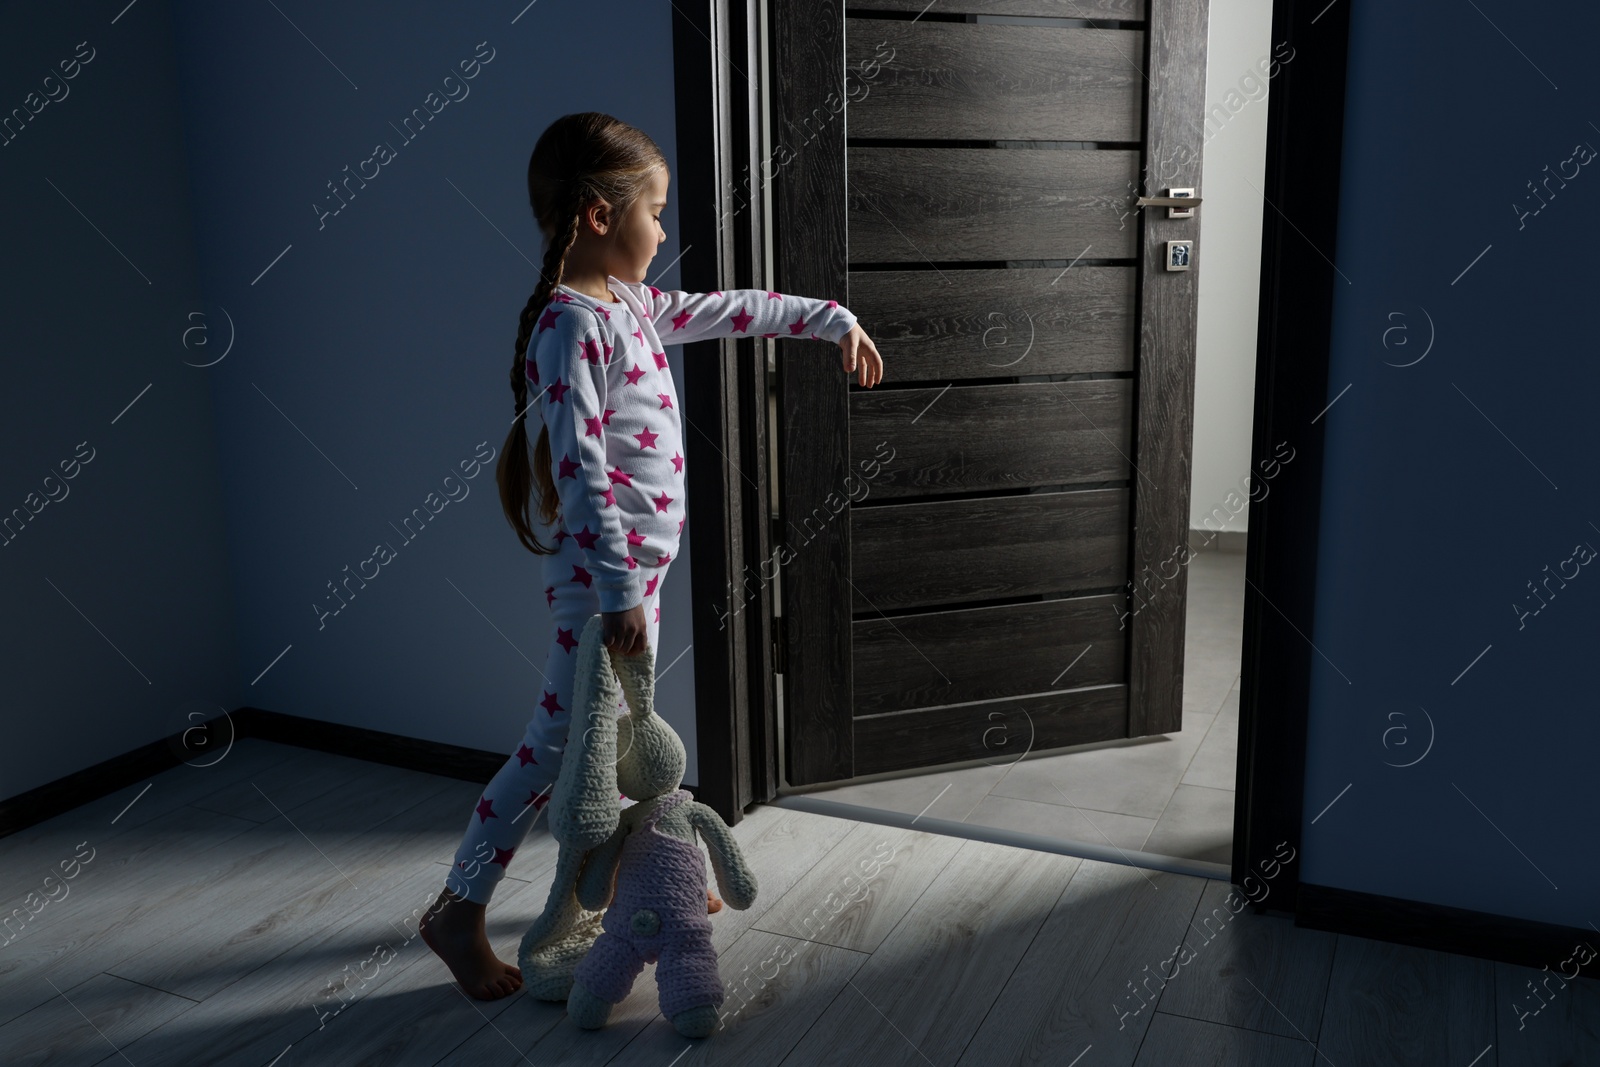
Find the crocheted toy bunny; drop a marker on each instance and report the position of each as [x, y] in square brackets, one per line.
[645, 855]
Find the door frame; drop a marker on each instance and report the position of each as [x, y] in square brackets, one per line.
[718, 110]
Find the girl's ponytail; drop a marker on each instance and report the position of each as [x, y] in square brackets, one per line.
[512, 473]
[580, 158]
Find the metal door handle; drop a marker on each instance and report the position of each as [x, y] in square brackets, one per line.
[1168, 201]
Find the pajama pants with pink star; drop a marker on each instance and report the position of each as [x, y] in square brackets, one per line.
[515, 797]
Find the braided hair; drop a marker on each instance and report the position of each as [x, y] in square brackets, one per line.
[579, 159]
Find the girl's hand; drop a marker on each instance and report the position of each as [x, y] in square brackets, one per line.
[859, 354]
[625, 631]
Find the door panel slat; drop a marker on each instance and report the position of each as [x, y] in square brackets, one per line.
[940, 205]
[998, 731]
[1125, 10]
[993, 436]
[984, 323]
[946, 552]
[972, 654]
[967, 80]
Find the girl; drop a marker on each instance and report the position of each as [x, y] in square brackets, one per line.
[609, 462]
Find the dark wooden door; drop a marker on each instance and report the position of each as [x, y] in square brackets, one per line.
[986, 551]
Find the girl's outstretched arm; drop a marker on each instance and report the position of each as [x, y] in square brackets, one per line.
[567, 373]
[682, 317]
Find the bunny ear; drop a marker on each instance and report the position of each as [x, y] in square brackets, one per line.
[585, 809]
[637, 677]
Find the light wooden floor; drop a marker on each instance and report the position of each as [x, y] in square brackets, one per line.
[220, 905]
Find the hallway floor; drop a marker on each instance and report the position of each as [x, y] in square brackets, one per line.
[1168, 794]
[263, 911]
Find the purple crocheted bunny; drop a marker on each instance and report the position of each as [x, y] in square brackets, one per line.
[650, 868]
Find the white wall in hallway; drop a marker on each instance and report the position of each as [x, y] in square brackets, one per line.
[1233, 162]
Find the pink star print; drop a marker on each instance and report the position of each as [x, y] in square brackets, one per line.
[681, 319]
[606, 418]
[639, 335]
[563, 297]
[650, 586]
[538, 800]
[557, 390]
[647, 439]
[502, 856]
[550, 592]
[531, 369]
[548, 319]
[569, 467]
[604, 312]
[798, 326]
[609, 497]
[525, 756]
[634, 375]
[662, 562]
[486, 811]
[593, 426]
[579, 574]
[677, 462]
[619, 477]
[653, 290]
[742, 320]
[774, 296]
[661, 360]
[635, 537]
[666, 401]
[591, 351]
[565, 639]
[608, 354]
[662, 501]
[586, 539]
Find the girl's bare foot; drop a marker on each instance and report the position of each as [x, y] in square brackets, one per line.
[713, 904]
[454, 929]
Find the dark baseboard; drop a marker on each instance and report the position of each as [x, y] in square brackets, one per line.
[91, 783]
[375, 746]
[1445, 929]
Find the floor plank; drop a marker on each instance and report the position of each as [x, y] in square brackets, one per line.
[343, 844]
[1544, 1020]
[88, 1022]
[1229, 952]
[108, 903]
[924, 991]
[273, 1010]
[1073, 990]
[1399, 1005]
[1195, 1043]
[856, 894]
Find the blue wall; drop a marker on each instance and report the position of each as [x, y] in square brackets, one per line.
[367, 360]
[1452, 483]
[118, 620]
[384, 334]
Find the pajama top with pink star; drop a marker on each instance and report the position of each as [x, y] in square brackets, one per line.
[604, 389]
